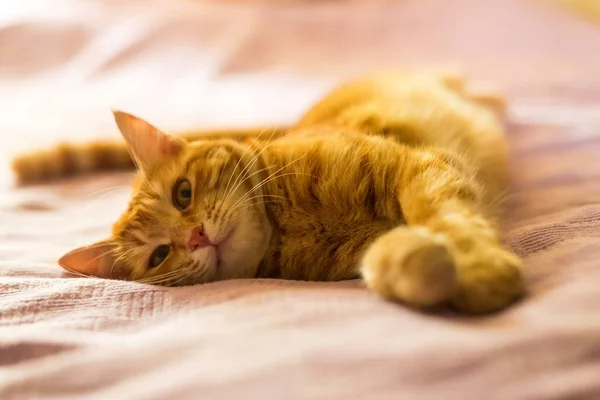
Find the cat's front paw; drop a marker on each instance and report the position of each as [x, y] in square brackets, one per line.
[412, 265]
[490, 279]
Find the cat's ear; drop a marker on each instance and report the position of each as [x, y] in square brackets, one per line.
[98, 260]
[147, 144]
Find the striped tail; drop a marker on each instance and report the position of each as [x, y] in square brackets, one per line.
[69, 159]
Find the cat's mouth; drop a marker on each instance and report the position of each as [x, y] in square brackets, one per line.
[217, 246]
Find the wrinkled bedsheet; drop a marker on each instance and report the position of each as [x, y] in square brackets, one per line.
[186, 65]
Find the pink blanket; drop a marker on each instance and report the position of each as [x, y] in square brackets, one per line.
[72, 338]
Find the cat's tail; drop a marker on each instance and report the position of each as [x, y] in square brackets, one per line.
[70, 159]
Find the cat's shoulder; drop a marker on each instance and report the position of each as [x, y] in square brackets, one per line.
[330, 132]
[332, 139]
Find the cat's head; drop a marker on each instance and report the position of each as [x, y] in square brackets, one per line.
[196, 214]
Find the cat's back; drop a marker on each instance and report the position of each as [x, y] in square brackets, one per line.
[341, 169]
[413, 108]
[421, 110]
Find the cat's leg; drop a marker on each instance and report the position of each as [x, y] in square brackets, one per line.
[452, 78]
[450, 250]
[484, 93]
[487, 95]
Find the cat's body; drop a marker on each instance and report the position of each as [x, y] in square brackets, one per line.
[396, 177]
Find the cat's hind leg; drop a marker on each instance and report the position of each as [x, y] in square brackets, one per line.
[484, 93]
[452, 77]
[450, 250]
[487, 95]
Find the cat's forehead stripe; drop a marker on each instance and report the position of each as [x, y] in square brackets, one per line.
[210, 155]
[134, 237]
[190, 163]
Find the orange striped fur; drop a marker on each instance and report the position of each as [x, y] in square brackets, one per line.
[69, 159]
[395, 177]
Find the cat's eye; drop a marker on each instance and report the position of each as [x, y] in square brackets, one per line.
[182, 194]
[158, 256]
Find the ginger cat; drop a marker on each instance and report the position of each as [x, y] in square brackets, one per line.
[395, 177]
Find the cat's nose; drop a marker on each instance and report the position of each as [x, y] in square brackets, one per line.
[197, 239]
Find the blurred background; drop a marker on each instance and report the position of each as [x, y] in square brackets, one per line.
[64, 64]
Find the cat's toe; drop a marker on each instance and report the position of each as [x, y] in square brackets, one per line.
[410, 265]
[488, 282]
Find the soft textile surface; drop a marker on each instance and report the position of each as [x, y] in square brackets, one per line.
[186, 65]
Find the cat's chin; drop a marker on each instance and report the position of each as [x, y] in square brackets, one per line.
[235, 258]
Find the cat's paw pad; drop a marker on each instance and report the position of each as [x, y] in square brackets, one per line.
[490, 280]
[411, 265]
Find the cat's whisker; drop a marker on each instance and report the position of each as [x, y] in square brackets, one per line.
[250, 164]
[108, 190]
[242, 174]
[181, 274]
[155, 282]
[249, 205]
[241, 158]
[97, 196]
[76, 273]
[269, 179]
[260, 184]
[224, 168]
[171, 277]
[102, 255]
[250, 176]
[182, 278]
[255, 157]
[91, 246]
[257, 197]
[126, 253]
[225, 198]
[243, 177]
[226, 192]
[152, 280]
[248, 209]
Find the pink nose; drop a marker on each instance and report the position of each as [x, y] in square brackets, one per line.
[197, 239]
